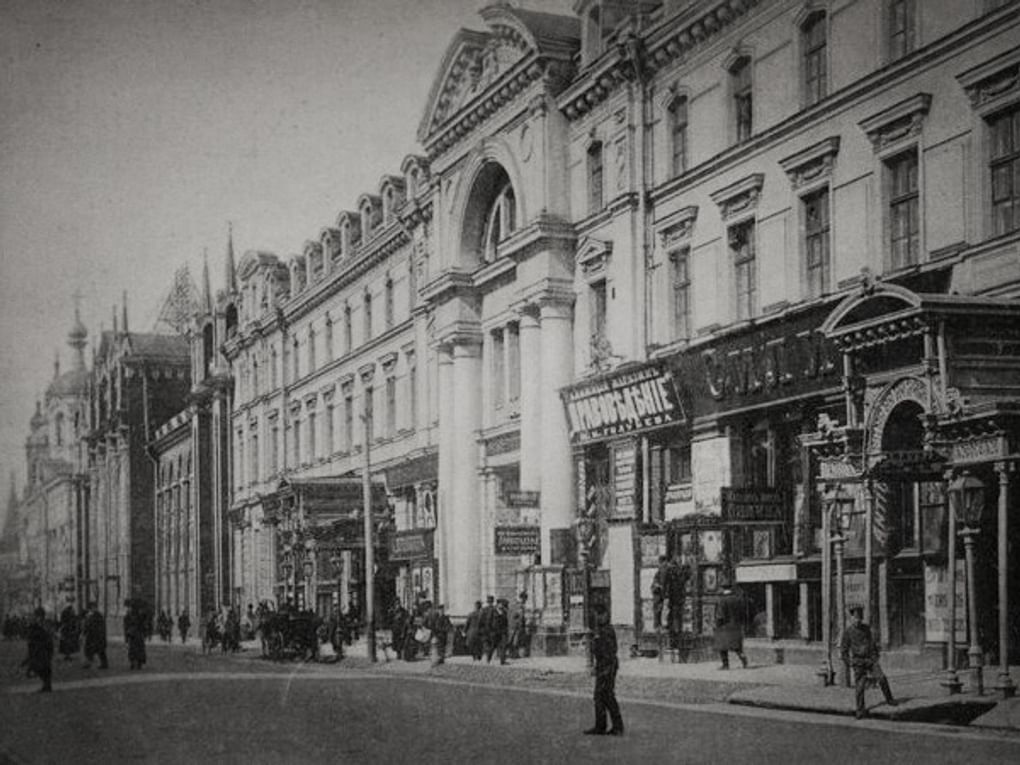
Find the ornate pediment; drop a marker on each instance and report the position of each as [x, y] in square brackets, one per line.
[593, 256]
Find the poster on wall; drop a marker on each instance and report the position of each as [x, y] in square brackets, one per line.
[624, 479]
[936, 603]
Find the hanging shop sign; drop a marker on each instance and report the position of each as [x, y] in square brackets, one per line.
[752, 505]
[520, 498]
[625, 479]
[626, 402]
[411, 545]
[518, 540]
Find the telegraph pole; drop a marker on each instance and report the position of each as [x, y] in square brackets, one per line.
[366, 491]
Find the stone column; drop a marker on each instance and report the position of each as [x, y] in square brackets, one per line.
[445, 491]
[556, 459]
[531, 405]
[461, 510]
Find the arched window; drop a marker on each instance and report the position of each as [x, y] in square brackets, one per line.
[678, 135]
[501, 220]
[368, 316]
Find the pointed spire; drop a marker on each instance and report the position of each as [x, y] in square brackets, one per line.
[207, 305]
[124, 310]
[231, 276]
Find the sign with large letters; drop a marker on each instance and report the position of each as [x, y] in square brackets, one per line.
[637, 399]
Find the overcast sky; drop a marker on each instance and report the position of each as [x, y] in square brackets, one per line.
[131, 131]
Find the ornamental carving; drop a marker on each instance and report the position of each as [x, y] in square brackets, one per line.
[994, 81]
[900, 121]
[677, 227]
[911, 389]
[739, 197]
[593, 257]
[813, 163]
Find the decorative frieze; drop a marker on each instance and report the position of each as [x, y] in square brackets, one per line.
[991, 84]
[676, 228]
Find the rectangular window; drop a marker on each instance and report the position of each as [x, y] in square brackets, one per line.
[498, 369]
[274, 448]
[513, 361]
[254, 458]
[816, 242]
[273, 361]
[368, 317]
[330, 429]
[296, 441]
[904, 225]
[329, 339]
[294, 361]
[313, 451]
[813, 42]
[741, 241]
[681, 293]
[311, 350]
[597, 293]
[902, 28]
[348, 331]
[348, 421]
[389, 303]
[678, 136]
[595, 183]
[391, 406]
[742, 101]
[412, 394]
[679, 464]
[370, 414]
[1004, 134]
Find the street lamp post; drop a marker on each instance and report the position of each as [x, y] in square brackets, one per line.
[839, 508]
[583, 530]
[968, 496]
[288, 569]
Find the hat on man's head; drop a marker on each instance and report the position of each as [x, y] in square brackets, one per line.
[489, 598]
[857, 611]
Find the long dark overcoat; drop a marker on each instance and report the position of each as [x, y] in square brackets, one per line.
[730, 616]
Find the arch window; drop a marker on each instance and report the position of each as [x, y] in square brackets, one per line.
[501, 220]
[740, 82]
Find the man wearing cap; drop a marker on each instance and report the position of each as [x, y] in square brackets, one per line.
[730, 617]
[859, 649]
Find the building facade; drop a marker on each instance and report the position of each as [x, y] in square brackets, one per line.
[138, 381]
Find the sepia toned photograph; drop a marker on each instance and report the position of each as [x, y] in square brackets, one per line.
[509, 381]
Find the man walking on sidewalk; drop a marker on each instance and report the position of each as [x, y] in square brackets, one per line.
[859, 649]
[603, 648]
[94, 630]
[729, 627]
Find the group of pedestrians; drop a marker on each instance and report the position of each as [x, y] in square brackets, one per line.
[499, 629]
[73, 633]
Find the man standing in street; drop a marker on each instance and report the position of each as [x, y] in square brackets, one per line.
[183, 625]
[729, 627]
[859, 649]
[520, 639]
[94, 628]
[473, 633]
[439, 623]
[499, 632]
[485, 619]
[603, 648]
[40, 651]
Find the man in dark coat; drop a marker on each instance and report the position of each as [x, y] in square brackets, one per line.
[473, 633]
[40, 651]
[860, 651]
[603, 649]
[70, 637]
[485, 624]
[134, 634]
[499, 631]
[730, 617]
[520, 636]
[183, 625]
[441, 627]
[94, 630]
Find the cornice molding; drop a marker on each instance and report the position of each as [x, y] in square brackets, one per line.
[991, 84]
[677, 227]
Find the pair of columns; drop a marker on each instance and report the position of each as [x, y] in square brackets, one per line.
[546, 351]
